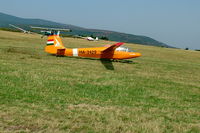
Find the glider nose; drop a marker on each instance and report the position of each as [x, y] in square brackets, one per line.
[134, 55]
[138, 54]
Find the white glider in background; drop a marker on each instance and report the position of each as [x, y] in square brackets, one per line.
[23, 30]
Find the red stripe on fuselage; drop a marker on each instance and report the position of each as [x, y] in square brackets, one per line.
[51, 40]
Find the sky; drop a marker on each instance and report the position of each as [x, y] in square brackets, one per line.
[174, 22]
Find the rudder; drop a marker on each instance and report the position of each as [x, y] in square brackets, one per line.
[54, 44]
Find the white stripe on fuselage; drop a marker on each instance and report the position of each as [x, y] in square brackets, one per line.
[75, 52]
[49, 42]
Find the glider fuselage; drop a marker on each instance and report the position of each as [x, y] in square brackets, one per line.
[55, 46]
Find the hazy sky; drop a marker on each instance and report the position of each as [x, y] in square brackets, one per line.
[174, 22]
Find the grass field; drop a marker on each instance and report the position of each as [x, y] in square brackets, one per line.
[159, 92]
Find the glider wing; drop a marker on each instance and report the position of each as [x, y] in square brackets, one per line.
[113, 47]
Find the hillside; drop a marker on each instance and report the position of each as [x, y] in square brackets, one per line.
[159, 92]
[5, 20]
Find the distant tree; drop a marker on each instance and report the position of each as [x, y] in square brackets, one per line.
[92, 36]
[186, 48]
[104, 38]
[83, 35]
[66, 35]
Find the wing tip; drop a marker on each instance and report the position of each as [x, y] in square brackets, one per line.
[119, 43]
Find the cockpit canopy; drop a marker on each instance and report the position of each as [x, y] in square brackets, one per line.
[124, 49]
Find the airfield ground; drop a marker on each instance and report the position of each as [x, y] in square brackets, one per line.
[159, 92]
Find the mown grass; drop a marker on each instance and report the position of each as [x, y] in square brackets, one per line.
[159, 92]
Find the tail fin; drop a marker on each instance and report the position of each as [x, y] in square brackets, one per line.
[54, 43]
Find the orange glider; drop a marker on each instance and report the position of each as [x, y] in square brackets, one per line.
[115, 51]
